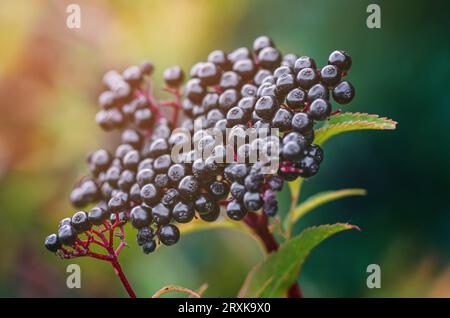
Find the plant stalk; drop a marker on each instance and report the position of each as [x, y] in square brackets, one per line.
[259, 224]
[119, 272]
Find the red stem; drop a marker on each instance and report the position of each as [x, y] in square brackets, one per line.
[259, 224]
[119, 272]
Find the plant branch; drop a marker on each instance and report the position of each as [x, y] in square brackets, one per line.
[119, 272]
[260, 226]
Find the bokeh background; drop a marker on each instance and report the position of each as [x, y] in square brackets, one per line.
[49, 82]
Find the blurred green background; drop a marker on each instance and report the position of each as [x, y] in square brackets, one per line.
[50, 78]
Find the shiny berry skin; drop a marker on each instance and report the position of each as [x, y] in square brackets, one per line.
[209, 74]
[162, 163]
[80, 222]
[99, 160]
[340, 59]
[175, 173]
[266, 106]
[270, 206]
[254, 182]
[276, 183]
[97, 215]
[245, 68]
[295, 137]
[122, 150]
[150, 194]
[173, 76]
[213, 117]
[236, 172]
[307, 78]
[247, 104]
[330, 75]
[262, 42]
[210, 217]
[131, 160]
[146, 67]
[280, 71]
[143, 118]
[210, 101]
[132, 137]
[236, 116]
[145, 176]
[239, 54]
[269, 58]
[158, 147]
[252, 201]
[169, 234]
[161, 214]
[285, 83]
[236, 210]
[126, 180]
[161, 180]
[132, 75]
[218, 190]
[228, 99]
[144, 235]
[309, 167]
[291, 151]
[219, 58]
[183, 212]
[282, 119]
[237, 191]
[194, 90]
[199, 170]
[230, 79]
[315, 152]
[320, 109]
[188, 187]
[296, 98]
[309, 136]
[52, 243]
[260, 76]
[248, 90]
[135, 193]
[318, 91]
[67, 235]
[304, 62]
[106, 100]
[116, 203]
[140, 216]
[302, 123]
[170, 197]
[205, 204]
[343, 92]
[289, 60]
[149, 247]
[271, 90]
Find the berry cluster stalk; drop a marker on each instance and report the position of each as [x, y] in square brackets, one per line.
[259, 225]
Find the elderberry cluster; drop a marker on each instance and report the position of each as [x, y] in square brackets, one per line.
[146, 182]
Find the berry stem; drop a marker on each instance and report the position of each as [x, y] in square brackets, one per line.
[260, 226]
[119, 272]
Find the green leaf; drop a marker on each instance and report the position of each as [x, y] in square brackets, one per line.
[320, 199]
[294, 187]
[275, 274]
[349, 122]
